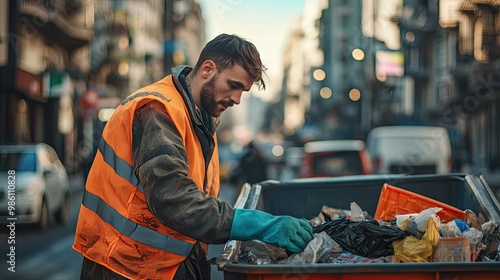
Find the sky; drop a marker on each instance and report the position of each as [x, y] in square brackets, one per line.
[265, 23]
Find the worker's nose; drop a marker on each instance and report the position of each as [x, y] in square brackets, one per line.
[236, 97]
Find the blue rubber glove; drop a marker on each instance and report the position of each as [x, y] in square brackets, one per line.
[283, 231]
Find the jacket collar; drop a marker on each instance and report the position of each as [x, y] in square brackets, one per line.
[179, 77]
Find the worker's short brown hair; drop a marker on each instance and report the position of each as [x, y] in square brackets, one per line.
[226, 50]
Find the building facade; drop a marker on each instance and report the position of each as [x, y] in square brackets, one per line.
[46, 47]
[452, 56]
[442, 68]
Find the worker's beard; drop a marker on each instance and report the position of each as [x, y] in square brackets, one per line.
[208, 101]
[208, 98]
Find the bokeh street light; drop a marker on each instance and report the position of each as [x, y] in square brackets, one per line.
[358, 54]
[354, 94]
[319, 75]
[325, 92]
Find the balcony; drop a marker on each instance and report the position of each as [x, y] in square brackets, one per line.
[68, 23]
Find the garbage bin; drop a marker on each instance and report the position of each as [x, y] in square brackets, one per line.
[303, 198]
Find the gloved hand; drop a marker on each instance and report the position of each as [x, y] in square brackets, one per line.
[283, 231]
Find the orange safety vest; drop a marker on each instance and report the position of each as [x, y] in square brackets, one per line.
[115, 227]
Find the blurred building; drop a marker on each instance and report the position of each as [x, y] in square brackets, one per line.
[400, 62]
[345, 86]
[470, 92]
[452, 60]
[142, 40]
[383, 65]
[188, 32]
[330, 89]
[44, 46]
[294, 97]
[363, 65]
[126, 54]
[302, 56]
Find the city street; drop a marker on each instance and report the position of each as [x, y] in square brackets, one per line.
[48, 254]
[45, 254]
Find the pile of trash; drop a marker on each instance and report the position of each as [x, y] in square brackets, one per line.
[353, 236]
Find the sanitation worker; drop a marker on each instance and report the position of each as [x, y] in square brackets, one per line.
[150, 203]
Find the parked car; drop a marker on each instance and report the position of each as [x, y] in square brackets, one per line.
[333, 158]
[33, 181]
[410, 149]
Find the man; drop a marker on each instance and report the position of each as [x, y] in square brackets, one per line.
[150, 205]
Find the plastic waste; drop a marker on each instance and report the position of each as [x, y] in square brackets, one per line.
[356, 212]
[417, 250]
[363, 238]
[473, 235]
[321, 245]
[462, 225]
[449, 229]
[421, 221]
[258, 252]
[452, 249]
[346, 257]
[416, 224]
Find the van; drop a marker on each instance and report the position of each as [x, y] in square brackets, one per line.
[409, 150]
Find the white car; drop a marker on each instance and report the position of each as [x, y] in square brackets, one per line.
[34, 185]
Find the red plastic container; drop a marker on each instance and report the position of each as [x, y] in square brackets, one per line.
[396, 201]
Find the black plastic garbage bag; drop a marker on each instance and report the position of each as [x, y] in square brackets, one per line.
[363, 238]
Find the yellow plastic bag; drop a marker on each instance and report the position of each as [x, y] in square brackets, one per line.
[413, 250]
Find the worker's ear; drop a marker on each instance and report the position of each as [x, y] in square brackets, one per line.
[208, 69]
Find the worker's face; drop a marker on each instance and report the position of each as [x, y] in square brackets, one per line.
[224, 89]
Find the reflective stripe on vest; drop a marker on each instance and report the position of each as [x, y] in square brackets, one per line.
[121, 167]
[135, 231]
[142, 94]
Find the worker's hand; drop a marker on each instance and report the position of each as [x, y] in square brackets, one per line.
[283, 231]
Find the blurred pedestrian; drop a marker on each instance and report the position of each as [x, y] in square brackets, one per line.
[150, 204]
[252, 167]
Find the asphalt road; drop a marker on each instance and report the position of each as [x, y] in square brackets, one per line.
[48, 254]
[45, 254]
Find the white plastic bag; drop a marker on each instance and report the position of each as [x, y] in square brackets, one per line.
[420, 222]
